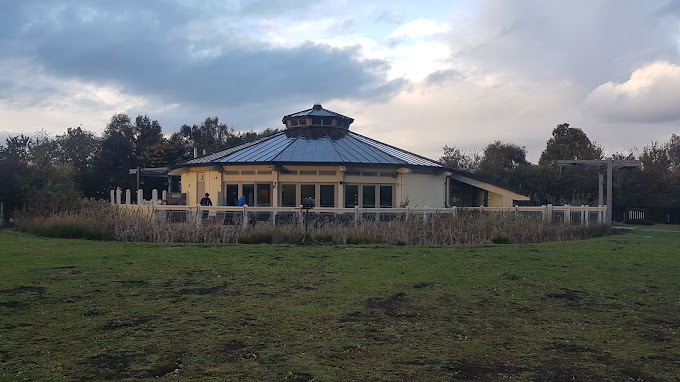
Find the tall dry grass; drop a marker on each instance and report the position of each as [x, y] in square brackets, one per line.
[100, 221]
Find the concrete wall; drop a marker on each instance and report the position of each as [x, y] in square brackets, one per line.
[421, 190]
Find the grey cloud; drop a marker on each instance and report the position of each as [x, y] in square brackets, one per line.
[442, 77]
[586, 42]
[146, 48]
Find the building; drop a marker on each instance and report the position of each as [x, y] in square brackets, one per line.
[317, 156]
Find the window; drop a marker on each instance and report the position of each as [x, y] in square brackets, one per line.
[288, 195]
[264, 195]
[351, 195]
[231, 192]
[307, 191]
[386, 197]
[327, 195]
[316, 121]
[249, 193]
[304, 172]
[327, 173]
[368, 199]
[247, 172]
[369, 173]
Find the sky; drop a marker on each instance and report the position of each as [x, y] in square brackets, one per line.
[417, 75]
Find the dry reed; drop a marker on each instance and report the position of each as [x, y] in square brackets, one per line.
[96, 220]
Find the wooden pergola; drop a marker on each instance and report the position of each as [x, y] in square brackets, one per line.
[606, 166]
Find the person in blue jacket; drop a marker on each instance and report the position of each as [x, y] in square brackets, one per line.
[241, 201]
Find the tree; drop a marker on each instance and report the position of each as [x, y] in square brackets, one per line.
[506, 164]
[81, 150]
[117, 154]
[569, 143]
[456, 158]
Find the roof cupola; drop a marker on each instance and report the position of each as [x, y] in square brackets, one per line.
[317, 116]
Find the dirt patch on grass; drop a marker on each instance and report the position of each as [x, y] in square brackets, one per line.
[568, 294]
[12, 305]
[34, 290]
[568, 348]
[470, 370]
[109, 366]
[425, 284]
[124, 324]
[299, 377]
[238, 351]
[391, 303]
[222, 289]
[126, 365]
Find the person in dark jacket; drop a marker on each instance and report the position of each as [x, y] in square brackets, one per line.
[206, 200]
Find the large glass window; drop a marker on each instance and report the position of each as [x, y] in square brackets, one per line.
[386, 197]
[231, 193]
[288, 195]
[249, 193]
[351, 196]
[368, 198]
[308, 191]
[327, 195]
[264, 197]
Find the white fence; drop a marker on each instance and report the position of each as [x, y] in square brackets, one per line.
[584, 215]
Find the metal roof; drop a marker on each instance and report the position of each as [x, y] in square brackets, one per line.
[315, 145]
[318, 111]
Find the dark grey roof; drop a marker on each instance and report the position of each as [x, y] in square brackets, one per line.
[318, 111]
[315, 145]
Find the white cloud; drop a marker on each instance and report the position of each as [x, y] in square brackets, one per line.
[34, 100]
[420, 28]
[650, 95]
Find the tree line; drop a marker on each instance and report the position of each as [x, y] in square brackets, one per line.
[655, 186]
[45, 173]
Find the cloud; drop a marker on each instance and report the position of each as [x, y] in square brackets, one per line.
[650, 95]
[152, 51]
[419, 28]
[583, 42]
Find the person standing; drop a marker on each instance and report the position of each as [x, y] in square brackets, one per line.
[206, 200]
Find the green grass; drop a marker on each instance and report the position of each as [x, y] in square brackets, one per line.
[604, 309]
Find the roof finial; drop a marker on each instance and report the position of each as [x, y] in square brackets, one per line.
[317, 106]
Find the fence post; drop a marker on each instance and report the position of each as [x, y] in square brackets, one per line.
[567, 214]
[516, 210]
[113, 197]
[583, 215]
[118, 195]
[356, 214]
[587, 215]
[245, 216]
[408, 212]
[154, 197]
[455, 211]
[140, 197]
[128, 198]
[164, 196]
[549, 211]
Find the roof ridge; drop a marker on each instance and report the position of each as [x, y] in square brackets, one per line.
[287, 146]
[344, 158]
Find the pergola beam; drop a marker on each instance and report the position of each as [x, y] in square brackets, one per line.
[606, 165]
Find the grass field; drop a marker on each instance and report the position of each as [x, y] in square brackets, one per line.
[605, 309]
